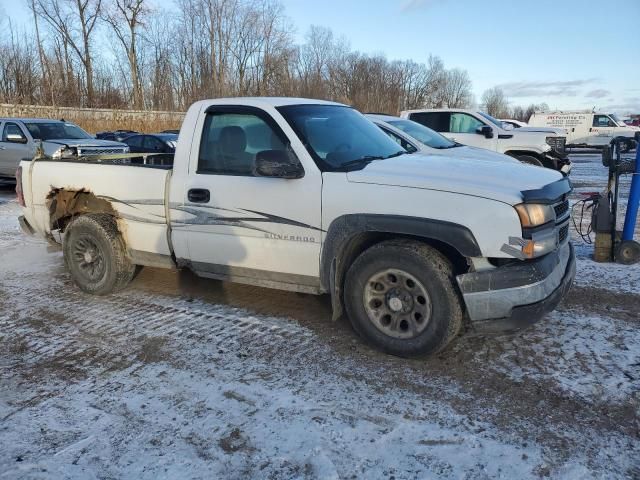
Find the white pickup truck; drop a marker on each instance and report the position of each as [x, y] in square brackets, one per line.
[311, 196]
[479, 129]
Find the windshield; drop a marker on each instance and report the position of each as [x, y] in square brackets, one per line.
[56, 131]
[423, 134]
[496, 122]
[617, 120]
[339, 137]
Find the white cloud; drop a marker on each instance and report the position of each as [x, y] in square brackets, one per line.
[567, 88]
[597, 93]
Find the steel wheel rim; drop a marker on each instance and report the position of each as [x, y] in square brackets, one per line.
[397, 303]
[88, 257]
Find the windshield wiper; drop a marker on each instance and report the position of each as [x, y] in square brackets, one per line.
[367, 159]
[362, 161]
[397, 154]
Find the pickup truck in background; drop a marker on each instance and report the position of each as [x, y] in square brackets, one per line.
[415, 137]
[311, 196]
[19, 138]
[479, 129]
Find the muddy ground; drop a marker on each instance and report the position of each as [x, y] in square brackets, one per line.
[180, 377]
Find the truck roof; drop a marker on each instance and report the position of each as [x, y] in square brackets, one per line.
[271, 101]
[30, 120]
[420, 110]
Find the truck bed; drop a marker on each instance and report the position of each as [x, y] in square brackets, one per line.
[135, 192]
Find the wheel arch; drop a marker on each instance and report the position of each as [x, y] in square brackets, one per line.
[65, 204]
[350, 235]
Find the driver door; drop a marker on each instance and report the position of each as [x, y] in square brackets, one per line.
[241, 226]
[602, 131]
[462, 129]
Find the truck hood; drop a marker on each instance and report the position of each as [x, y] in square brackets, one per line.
[559, 131]
[494, 179]
[473, 153]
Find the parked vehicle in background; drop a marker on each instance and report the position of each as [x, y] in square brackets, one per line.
[633, 122]
[311, 196]
[587, 129]
[19, 138]
[479, 129]
[116, 135]
[511, 124]
[158, 143]
[414, 137]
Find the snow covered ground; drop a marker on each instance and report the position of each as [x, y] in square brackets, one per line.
[179, 377]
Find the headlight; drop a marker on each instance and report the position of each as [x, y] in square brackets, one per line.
[534, 214]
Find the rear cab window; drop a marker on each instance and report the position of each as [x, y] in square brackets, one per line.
[438, 121]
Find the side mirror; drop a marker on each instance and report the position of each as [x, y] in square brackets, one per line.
[278, 164]
[15, 138]
[485, 130]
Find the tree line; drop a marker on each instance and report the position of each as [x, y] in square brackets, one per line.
[128, 54]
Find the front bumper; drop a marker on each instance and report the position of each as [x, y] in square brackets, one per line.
[515, 296]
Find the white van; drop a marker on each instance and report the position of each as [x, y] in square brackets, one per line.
[586, 129]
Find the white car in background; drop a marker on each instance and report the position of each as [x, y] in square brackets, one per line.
[414, 137]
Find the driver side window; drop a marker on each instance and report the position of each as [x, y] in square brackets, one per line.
[231, 142]
[602, 121]
[464, 123]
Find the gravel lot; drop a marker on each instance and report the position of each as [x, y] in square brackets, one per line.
[180, 377]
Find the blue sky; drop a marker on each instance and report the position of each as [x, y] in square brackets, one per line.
[567, 53]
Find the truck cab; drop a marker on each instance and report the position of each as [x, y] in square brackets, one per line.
[479, 129]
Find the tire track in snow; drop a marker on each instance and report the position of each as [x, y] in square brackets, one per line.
[107, 328]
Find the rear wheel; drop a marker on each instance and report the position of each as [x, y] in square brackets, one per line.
[401, 297]
[96, 256]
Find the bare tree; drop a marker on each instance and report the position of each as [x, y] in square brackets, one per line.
[74, 21]
[126, 17]
[456, 89]
[495, 103]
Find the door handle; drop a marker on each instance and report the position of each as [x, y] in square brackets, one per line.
[198, 195]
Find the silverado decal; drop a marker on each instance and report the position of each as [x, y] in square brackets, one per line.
[203, 215]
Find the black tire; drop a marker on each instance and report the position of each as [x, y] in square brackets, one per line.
[95, 254]
[431, 271]
[628, 252]
[529, 160]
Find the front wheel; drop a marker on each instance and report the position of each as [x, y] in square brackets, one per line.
[96, 256]
[529, 160]
[401, 297]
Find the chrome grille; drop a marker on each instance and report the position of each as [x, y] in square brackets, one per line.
[563, 233]
[82, 151]
[557, 143]
[561, 209]
[100, 150]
